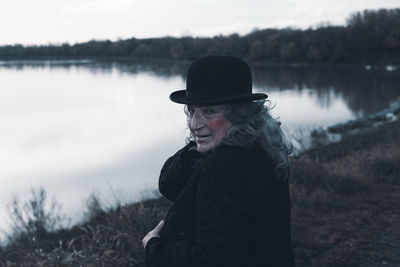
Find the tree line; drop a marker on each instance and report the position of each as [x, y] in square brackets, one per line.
[369, 37]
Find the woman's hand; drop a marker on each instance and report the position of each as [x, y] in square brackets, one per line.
[153, 233]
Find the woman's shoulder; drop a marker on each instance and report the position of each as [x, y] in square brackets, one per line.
[235, 161]
[253, 156]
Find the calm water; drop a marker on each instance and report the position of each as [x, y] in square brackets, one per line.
[76, 127]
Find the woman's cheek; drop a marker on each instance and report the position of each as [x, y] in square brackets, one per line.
[216, 124]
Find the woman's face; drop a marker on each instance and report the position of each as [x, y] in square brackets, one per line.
[207, 125]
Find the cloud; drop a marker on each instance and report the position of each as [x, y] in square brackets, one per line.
[82, 20]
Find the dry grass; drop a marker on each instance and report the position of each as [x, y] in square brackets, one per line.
[340, 189]
[111, 238]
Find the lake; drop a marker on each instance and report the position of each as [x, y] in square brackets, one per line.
[75, 127]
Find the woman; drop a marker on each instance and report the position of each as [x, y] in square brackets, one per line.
[229, 184]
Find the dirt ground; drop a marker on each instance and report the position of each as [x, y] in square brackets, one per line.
[374, 244]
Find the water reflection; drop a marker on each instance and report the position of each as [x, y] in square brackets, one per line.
[161, 68]
[364, 91]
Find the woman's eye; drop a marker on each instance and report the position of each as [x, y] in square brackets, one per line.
[209, 111]
[190, 110]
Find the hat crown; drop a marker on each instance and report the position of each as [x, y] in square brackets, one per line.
[218, 76]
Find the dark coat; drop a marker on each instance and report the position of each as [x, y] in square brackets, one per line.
[229, 210]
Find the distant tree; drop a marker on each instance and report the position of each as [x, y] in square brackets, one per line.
[256, 50]
[370, 36]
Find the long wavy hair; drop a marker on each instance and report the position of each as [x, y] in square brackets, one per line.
[252, 124]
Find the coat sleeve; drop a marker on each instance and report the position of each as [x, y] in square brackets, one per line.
[177, 170]
[223, 225]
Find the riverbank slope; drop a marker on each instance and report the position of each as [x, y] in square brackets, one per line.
[344, 211]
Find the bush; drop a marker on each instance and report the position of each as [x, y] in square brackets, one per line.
[35, 217]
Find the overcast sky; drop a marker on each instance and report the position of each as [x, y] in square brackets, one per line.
[58, 21]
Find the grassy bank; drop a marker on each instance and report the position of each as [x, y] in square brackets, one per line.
[338, 192]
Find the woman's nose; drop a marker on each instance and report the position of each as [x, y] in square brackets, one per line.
[196, 121]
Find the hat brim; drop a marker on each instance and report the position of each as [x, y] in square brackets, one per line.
[180, 97]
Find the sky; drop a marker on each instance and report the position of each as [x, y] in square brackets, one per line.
[58, 21]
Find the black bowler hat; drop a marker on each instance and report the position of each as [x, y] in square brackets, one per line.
[217, 80]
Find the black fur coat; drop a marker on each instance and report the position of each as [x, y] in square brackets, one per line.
[229, 210]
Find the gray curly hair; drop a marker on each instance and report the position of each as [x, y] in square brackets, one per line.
[252, 123]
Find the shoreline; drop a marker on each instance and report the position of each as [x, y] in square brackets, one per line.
[323, 136]
[254, 63]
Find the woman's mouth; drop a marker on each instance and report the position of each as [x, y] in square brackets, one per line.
[202, 137]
